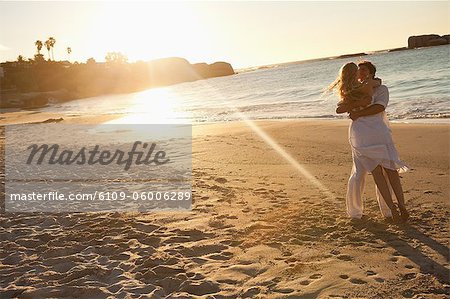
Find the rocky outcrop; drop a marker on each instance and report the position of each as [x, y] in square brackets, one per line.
[32, 85]
[201, 69]
[168, 71]
[447, 38]
[427, 40]
[174, 70]
[216, 69]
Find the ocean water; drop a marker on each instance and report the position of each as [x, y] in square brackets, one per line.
[418, 81]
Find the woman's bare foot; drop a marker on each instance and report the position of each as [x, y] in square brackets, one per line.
[395, 215]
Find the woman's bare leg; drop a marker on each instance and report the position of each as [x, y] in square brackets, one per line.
[394, 179]
[382, 185]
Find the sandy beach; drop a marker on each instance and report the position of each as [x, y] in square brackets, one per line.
[259, 227]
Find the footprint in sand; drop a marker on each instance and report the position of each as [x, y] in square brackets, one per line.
[379, 279]
[343, 276]
[222, 256]
[370, 273]
[251, 292]
[316, 276]
[313, 277]
[221, 180]
[345, 257]
[357, 281]
[305, 282]
[283, 290]
[246, 210]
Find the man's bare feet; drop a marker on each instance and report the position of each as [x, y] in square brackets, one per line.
[404, 215]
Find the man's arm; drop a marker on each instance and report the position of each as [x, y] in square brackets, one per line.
[371, 110]
[380, 102]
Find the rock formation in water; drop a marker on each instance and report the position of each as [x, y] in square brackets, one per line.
[427, 40]
[174, 70]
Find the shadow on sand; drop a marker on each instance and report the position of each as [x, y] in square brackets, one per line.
[398, 240]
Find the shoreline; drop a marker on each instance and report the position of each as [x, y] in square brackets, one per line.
[33, 116]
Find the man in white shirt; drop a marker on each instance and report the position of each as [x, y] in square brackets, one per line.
[380, 95]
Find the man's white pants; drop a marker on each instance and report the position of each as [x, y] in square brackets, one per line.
[355, 191]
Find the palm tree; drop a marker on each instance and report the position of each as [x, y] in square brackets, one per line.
[52, 45]
[48, 46]
[69, 50]
[38, 44]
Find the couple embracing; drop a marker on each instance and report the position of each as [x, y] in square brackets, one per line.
[365, 99]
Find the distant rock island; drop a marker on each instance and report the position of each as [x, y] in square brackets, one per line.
[352, 55]
[428, 40]
[34, 84]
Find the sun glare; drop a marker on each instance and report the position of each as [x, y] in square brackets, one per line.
[154, 106]
[149, 30]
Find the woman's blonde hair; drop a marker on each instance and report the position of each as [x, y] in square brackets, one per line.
[347, 82]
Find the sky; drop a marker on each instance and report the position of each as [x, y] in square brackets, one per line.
[245, 34]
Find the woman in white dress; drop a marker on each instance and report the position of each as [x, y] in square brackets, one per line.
[371, 142]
